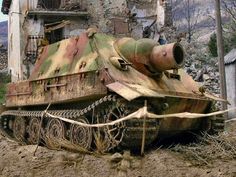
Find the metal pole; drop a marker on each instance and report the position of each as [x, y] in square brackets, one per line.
[220, 49]
[144, 129]
[27, 5]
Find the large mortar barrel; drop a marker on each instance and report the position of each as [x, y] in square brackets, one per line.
[148, 57]
[166, 57]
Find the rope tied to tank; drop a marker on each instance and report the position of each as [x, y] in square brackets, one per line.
[139, 114]
[142, 113]
[40, 126]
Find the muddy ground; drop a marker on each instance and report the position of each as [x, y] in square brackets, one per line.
[212, 156]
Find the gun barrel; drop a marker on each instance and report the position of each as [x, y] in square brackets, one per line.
[166, 57]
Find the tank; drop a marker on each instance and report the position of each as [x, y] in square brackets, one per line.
[95, 78]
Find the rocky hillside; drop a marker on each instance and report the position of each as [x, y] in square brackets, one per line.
[199, 62]
[201, 12]
[201, 17]
[3, 33]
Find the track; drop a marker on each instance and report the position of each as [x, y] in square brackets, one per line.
[24, 125]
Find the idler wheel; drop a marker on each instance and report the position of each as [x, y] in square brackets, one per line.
[55, 132]
[109, 137]
[115, 132]
[34, 126]
[19, 129]
[81, 135]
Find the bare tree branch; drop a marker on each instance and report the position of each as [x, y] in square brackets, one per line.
[229, 6]
[189, 14]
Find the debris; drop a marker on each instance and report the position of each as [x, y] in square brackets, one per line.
[202, 68]
[209, 148]
[125, 164]
[117, 157]
[3, 59]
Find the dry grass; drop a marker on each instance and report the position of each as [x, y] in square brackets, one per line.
[209, 148]
[100, 142]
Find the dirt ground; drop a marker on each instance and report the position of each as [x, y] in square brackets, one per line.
[213, 158]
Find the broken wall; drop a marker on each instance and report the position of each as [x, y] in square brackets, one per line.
[118, 18]
[14, 40]
[145, 13]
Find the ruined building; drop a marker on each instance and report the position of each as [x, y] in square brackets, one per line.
[34, 23]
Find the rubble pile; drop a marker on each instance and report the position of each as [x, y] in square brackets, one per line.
[198, 63]
[3, 60]
[170, 33]
[202, 67]
[207, 75]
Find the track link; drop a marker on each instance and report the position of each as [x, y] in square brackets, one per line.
[109, 108]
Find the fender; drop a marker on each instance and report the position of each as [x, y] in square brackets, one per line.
[132, 91]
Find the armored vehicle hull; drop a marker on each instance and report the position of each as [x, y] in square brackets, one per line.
[95, 78]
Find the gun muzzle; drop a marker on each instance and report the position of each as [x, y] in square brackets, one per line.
[148, 57]
[166, 57]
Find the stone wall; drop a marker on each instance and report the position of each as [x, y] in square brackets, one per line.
[3, 60]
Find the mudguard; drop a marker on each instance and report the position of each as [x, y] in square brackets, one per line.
[132, 91]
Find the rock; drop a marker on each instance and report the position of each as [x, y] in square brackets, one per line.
[3, 60]
[125, 164]
[73, 157]
[117, 157]
[127, 155]
[206, 77]
[202, 68]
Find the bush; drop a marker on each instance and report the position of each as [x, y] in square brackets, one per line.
[4, 79]
[229, 43]
[232, 42]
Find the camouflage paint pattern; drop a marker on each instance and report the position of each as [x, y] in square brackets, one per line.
[89, 54]
[93, 64]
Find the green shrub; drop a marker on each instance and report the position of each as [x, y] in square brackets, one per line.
[229, 43]
[233, 40]
[4, 79]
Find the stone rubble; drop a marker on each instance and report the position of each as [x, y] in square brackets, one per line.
[203, 69]
[198, 64]
[3, 60]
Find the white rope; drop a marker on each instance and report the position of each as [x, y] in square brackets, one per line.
[138, 114]
[142, 112]
[231, 120]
